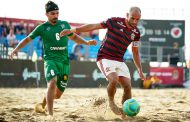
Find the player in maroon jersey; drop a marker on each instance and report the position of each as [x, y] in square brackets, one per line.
[121, 32]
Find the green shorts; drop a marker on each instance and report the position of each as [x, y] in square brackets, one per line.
[59, 69]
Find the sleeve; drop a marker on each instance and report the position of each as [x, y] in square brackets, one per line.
[68, 27]
[35, 32]
[108, 23]
[136, 42]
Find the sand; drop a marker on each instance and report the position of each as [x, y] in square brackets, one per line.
[90, 105]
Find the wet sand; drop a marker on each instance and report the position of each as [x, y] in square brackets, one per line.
[90, 105]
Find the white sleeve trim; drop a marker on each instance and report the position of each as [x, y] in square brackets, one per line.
[136, 43]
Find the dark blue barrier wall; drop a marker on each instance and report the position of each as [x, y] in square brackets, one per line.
[23, 73]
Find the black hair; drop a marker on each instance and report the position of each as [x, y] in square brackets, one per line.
[51, 6]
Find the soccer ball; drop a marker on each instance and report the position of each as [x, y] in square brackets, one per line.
[131, 107]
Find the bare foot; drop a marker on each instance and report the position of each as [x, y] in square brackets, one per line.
[39, 108]
[123, 116]
[114, 108]
[50, 118]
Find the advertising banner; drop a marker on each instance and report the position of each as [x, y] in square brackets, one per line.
[168, 75]
[20, 73]
[25, 73]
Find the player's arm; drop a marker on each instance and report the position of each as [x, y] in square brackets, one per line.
[83, 28]
[79, 40]
[21, 44]
[136, 58]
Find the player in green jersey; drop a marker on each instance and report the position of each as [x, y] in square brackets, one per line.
[56, 61]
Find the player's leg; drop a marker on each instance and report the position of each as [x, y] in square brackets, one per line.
[126, 85]
[112, 85]
[124, 81]
[64, 70]
[42, 105]
[51, 74]
[111, 90]
[107, 68]
[58, 83]
[58, 93]
[50, 95]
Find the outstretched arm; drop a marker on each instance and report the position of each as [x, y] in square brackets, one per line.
[19, 46]
[88, 27]
[79, 40]
[83, 28]
[136, 59]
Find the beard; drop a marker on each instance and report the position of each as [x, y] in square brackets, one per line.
[54, 20]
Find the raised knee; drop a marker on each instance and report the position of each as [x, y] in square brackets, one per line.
[57, 96]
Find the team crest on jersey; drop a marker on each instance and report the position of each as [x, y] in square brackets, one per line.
[48, 28]
[132, 36]
[65, 77]
[62, 26]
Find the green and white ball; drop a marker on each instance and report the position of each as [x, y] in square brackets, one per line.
[131, 107]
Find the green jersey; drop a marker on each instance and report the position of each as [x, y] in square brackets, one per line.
[55, 47]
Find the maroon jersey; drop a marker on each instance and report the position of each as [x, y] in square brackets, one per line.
[118, 37]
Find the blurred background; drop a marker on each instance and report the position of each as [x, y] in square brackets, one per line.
[164, 50]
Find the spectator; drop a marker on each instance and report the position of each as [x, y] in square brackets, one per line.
[5, 27]
[5, 45]
[77, 52]
[1, 31]
[11, 38]
[20, 29]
